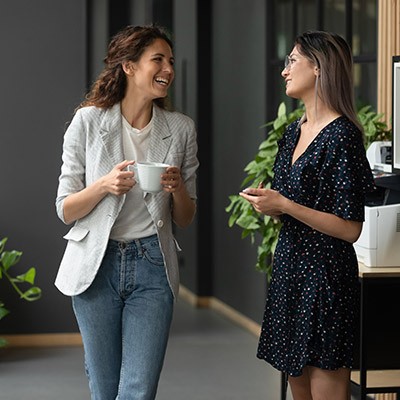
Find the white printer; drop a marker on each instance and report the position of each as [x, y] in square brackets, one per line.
[379, 242]
[379, 155]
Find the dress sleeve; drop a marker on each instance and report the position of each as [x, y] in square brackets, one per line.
[346, 176]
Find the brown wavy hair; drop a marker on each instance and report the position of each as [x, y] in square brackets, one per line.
[127, 45]
[333, 56]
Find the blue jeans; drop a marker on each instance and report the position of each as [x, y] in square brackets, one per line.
[124, 318]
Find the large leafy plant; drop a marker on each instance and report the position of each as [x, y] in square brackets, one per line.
[260, 170]
[23, 284]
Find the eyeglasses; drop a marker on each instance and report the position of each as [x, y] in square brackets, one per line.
[288, 62]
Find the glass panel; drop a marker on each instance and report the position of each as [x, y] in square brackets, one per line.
[364, 41]
[283, 28]
[365, 77]
[364, 27]
[277, 89]
[334, 16]
[278, 93]
[306, 15]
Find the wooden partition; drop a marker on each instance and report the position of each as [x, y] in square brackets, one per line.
[388, 46]
[386, 396]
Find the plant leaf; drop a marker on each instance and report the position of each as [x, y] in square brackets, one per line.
[3, 311]
[29, 276]
[32, 294]
[7, 260]
[10, 258]
[2, 244]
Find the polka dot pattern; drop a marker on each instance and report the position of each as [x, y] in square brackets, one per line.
[312, 304]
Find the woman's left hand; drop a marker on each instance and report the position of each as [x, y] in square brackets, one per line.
[172, 180]
[265, 201]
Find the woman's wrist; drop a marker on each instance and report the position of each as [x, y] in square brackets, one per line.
[286, 205]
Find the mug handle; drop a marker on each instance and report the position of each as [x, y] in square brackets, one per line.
[134, 168]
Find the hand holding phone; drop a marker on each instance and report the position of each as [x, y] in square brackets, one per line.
[249, 191]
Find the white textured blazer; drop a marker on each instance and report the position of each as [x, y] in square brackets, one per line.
[92, 147]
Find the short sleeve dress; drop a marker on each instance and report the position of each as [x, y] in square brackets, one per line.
[312, 303]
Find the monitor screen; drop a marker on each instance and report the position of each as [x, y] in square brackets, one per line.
[396, 116]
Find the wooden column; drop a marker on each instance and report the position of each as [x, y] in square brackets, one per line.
[388, 46]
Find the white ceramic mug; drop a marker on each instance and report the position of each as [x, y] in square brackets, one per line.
[148, 175]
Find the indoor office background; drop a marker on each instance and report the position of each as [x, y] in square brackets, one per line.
[229, 55]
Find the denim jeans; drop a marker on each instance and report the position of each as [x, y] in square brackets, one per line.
[124, 318]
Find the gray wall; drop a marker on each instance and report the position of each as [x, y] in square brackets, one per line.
[42, 79]
[239, 109]
[98, 38]
[185, 100]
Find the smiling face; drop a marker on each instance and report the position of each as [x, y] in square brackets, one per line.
[152, 75]
[299, 75]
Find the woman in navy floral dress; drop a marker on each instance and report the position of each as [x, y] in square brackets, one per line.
[321, 176]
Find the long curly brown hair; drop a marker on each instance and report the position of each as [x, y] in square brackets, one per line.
[127, 45]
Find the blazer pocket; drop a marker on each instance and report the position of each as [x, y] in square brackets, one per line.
[76, 233]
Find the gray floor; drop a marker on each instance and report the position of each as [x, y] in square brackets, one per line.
[208, 358]
[211, 358]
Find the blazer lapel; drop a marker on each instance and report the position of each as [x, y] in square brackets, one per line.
[111, 133]
[111, 128]
[160, 138]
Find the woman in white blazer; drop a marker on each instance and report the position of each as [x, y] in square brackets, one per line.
[120, 264]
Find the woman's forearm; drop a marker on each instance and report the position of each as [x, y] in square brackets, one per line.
[80, 204]
[183, 208]
[327, 223]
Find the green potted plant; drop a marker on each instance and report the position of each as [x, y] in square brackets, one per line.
[259, 170]
[374, 128]
[7, 260]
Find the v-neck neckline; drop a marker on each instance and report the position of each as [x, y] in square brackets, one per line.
[311, 144]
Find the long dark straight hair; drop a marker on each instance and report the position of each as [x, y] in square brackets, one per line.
[333, 56]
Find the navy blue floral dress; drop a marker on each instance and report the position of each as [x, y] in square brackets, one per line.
[312, 304]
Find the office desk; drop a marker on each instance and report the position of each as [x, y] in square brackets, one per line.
[378, 356]
[377, 359]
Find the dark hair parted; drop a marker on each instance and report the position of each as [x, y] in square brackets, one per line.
[127, 45]
[333, 56]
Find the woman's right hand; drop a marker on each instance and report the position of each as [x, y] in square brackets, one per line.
[265, 201]
[119, 181]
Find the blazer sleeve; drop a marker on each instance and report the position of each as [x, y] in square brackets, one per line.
[72, 177]
[190, 161]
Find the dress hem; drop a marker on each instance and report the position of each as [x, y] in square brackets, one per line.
[299, 372]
